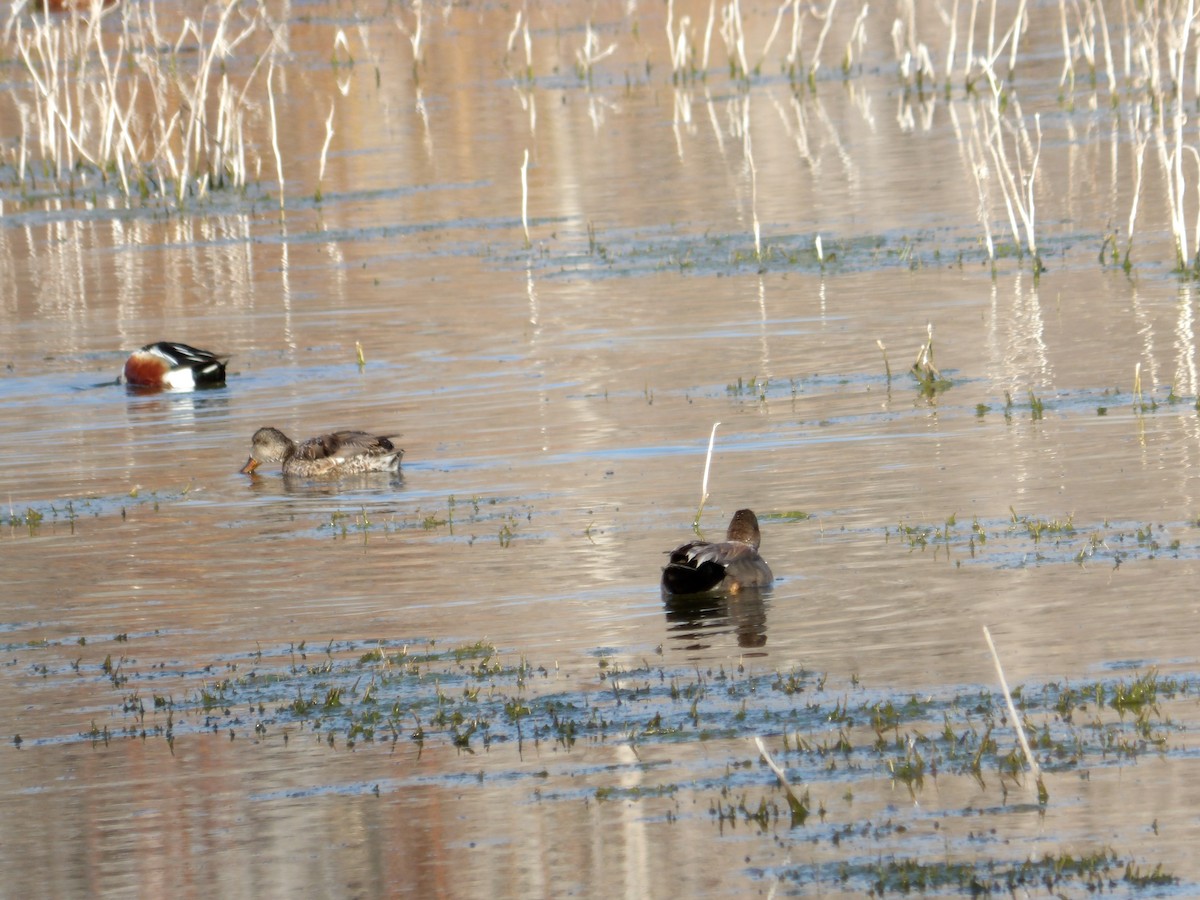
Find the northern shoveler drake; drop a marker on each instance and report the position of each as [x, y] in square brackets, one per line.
[326, 455]
[730, 565]
[180, 367]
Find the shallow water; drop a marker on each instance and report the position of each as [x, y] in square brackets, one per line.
[555, 403]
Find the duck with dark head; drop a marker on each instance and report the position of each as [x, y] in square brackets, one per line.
[730, 565]
[172, 366]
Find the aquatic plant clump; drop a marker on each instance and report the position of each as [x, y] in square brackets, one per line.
[831, 753]
[1101, 871]
[1023, 541]
[472, 696]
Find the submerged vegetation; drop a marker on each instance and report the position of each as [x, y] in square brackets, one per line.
[833, 747]
[473, 696]
[1024, 540]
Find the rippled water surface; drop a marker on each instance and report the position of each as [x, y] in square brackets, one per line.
[463, 680]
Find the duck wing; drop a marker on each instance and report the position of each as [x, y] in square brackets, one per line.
[343, 445]
[178, 354]
[724, 553]
[699, 566]
[690, 570]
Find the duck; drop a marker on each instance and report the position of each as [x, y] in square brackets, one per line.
[173, 366]
[326, 455]
[730, 565]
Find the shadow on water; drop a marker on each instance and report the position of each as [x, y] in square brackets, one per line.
[696, 621]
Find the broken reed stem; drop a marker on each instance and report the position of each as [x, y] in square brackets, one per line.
[1034, 768]
[886, 366]
[794, 801]
[525, 198]
[704, 484]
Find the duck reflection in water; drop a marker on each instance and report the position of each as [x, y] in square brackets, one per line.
[709, 585]
[696, 620]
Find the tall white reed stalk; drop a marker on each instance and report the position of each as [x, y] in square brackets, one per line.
[969, 56]
[680, 48]
[1109, 67]
[1018, 189]
[708, 32]
[712, 438]
[1178, 38]
[783, 7]
[793, 57]
[857, 38]
[275, 130]
[1034, 768]
[1140, 136]
[953, 42]
[734, 34]
[816, 57]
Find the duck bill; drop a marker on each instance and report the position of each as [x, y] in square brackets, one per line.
[250, 466]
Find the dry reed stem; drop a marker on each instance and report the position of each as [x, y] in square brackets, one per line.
[712, 437]
[783, 7]
[1034, 768]
[816, 57]
[525, 198]
[1140, 137]
[858, 37]
[678, 46]
[796, 801]
[275, 130]
[953, 45]
[708, 32]
[980, 174]
[748, 152]
[734, 34]
[792, 60]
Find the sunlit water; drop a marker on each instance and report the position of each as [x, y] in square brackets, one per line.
[555, 403]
